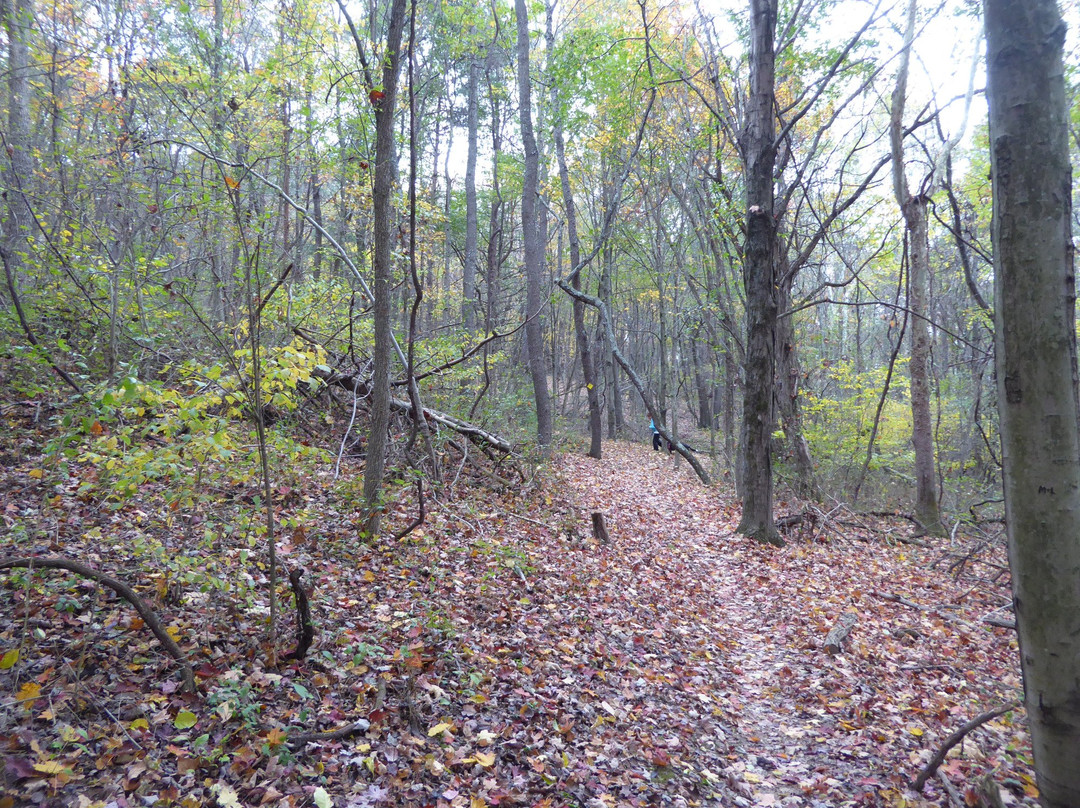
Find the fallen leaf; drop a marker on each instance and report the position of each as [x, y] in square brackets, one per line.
[185, 719]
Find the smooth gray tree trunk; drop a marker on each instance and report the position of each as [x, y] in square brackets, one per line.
[534, 249]
[915, 210]
[468, 284]
[1038, 400]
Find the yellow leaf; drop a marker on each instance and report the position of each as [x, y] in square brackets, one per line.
[485, 759]
[36, 474]
[233, 184]
[369, 576]
[477, 802]
[916, 731]
[139, 723]
[9, 659]
[49, 767]
[185, 719]
[439, 729]
[29, 692]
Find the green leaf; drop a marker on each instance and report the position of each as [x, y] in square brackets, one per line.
[301, 691]
[185, 719]
[322, 799]
[9, 659]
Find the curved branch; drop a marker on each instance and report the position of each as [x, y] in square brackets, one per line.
[123, 590]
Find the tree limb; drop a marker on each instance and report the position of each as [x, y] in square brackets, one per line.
[955, 738]
[124, 591]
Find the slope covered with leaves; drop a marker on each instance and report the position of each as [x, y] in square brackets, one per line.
[498, 655]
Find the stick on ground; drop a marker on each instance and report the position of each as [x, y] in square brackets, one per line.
[955, 738]
[123, 590]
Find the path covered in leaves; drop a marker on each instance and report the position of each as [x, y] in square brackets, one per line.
[498, 656]
[741, 629]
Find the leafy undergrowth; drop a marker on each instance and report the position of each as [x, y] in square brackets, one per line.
[497, 656]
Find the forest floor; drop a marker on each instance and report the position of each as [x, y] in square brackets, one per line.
[499, 655]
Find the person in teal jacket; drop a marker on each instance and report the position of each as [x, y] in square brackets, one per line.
[655, 436]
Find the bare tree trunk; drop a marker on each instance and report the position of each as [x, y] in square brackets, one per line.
[922, 425]
[534, 249]
[468, 284]
[789, 405]
[18, 19]
[914, 208]
[759, 279]
[588, 370]
[382, 212]
[1038, 399]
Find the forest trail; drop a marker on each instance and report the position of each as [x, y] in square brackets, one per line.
[499, 656]
[800, 727]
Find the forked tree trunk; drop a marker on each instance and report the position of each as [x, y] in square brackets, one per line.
[1038, 400]
[914, 208]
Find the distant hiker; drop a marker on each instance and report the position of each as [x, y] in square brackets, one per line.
[655, 436]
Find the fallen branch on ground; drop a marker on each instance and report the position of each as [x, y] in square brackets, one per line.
[419, 520]
[834, 640]
[955, 738]
[123, 590]
[479, 436]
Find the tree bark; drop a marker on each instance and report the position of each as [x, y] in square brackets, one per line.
[914, 209]
[922, 424]
[534, 249]
[759, 280]
[588, 369]
[382, 212]
[17, 215]
[1038, 399]
[468, 283]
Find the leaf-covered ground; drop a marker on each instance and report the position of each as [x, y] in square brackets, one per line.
[499, 655]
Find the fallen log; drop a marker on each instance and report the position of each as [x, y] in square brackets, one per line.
[477, 435]
[147, 614]
[839, 632]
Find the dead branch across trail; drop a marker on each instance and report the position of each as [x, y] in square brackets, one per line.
[120, 588]
[481, 437]
[646, 399]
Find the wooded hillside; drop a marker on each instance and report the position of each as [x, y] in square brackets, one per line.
[292, 288]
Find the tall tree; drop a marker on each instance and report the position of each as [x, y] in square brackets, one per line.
[1038, 397]
[383, 98]
[17, 216]
[534, 249]
[759, 278]
[584, 349]
[915, 208]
